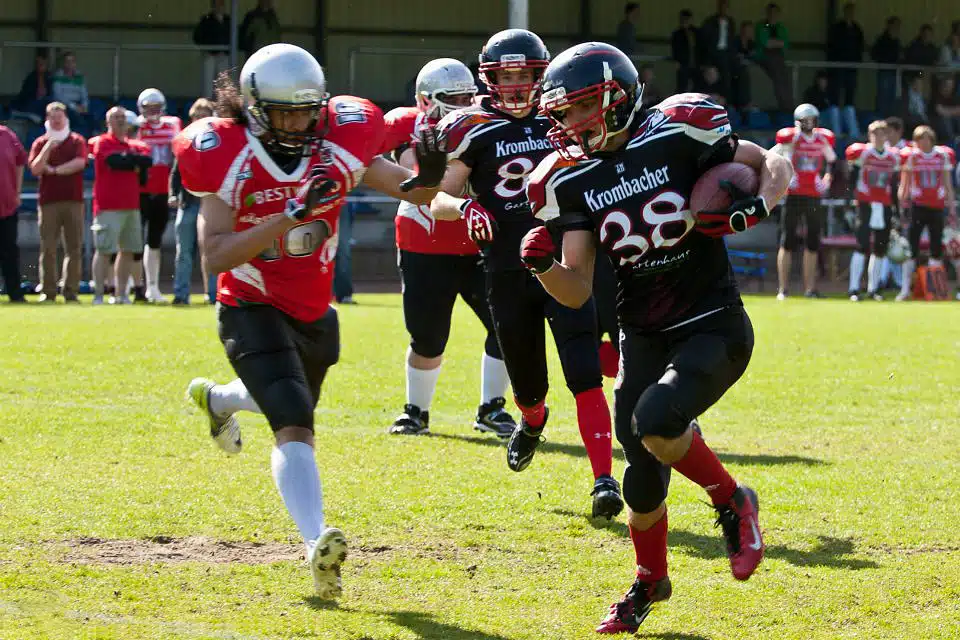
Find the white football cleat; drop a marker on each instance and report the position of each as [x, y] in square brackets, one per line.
[902, 296]
[225, 430]
[325, 558]
[153, 295]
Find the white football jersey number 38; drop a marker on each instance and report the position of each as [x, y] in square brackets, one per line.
[632, 246]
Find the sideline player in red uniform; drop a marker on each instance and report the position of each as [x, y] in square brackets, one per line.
[685, 337]
[926, 188]
[157, 130]
[873, 183]
[273, 173]
[438, 262]
[810, 149]
[492, 147]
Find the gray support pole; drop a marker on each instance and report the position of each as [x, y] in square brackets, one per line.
[234, 35]
[518, 14]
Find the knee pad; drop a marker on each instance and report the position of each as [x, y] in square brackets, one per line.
[657, 413]
[491, 347]
[430, 347]
[581, 363]
[645, 484]
[287, 402]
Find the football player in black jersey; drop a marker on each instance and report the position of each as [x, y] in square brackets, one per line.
[621, 179]
[491, 149]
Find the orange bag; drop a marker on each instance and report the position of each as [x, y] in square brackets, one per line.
[930, 283]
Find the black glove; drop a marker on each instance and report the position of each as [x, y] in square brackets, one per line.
[744, 212]
[431, 153]
[312, 190]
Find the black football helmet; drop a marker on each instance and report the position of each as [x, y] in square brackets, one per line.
[592, 70]
[513, 49]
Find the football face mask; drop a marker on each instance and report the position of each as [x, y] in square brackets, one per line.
[582, 119]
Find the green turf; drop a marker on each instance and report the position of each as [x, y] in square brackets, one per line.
[846, 423]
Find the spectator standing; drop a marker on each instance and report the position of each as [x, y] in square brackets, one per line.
[921, 50]
[913, 107]
[121, 165]
[772, 42]
[845, 43]
[35, 91]
[945, 112]
[950, 52]
[887, 50]
[213, 30]
[743, 47]
[627, 29]
[684, 48]
[651, 92]
[70, 88]
[717, 36]
[188, 208]
[57, 159]
[259, 28]
[343, 266]
[12, 159]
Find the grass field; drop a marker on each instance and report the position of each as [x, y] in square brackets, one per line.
[120, 519]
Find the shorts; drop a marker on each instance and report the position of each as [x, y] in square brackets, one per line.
[281, 360]
[117, 230]
[154, 213]
[431, 284]
[796, 209]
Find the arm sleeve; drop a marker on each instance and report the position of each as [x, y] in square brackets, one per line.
[121, 162]
[175, 186]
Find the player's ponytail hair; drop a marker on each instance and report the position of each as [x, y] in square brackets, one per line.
[229, 103]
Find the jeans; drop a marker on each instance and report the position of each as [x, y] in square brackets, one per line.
[186, 232]
[886, 93]
[342, 274]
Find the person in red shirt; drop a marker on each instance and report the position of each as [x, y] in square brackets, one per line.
[926, 189]
[810, 149]
[12, 159]
[438, 262]
[157, 130]
[121, 169]
[273, 175]
[57, 159]
[873, 184]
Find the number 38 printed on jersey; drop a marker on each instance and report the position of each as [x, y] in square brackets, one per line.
[667, 217]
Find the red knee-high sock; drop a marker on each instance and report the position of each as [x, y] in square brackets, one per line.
[533, 416]
[609, 359]
[701, 465]
[651, 549]
[593, 417]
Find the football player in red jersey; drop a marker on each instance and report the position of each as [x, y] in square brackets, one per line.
[157, 130]
[810, 149]
[273, 173]
[622, 177]
[492, 147]
[438, 261]
[926, 188]
[873, 185]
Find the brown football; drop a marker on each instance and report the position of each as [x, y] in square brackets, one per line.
[707, 194]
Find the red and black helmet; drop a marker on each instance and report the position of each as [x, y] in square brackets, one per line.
[513, 49]
[590, 70]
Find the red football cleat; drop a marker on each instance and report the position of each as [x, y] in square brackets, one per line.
[741, 528]
[627, 615]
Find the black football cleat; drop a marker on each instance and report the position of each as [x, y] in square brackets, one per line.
[412, 422]
[607, 502]
[493, 418]
[524, 442]
[627, 615]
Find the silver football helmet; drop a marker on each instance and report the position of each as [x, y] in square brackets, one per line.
[444, 85]
[283, 78]
[152, 104]
[806, 111]
[898, 249]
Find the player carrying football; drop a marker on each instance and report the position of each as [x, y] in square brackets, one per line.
[492, 148]
[810, 149]
[685, 337]
[926, 188]
[273, 173]
[873, 181]
[438, 261]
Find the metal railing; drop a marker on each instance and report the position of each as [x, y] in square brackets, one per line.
[900, 69]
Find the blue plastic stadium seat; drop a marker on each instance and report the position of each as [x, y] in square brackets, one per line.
[759, 120]
[735, 120]
[129, 103]
[781, 120]
[865, 118]
[98, 109]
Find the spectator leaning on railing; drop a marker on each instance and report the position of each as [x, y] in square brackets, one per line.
[887, 50]
[743, 47]
[213, 30]
[921, 50]
[260, 27]
[70, 88]
[684, 49]
[58, 158]
[717, 35]
[772, 43]
[35, 91]
[945, 112]
[12, 159]
[845, 43]
[627, 29]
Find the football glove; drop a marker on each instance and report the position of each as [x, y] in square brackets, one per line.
[431, 153]
[744, 212]
[537, 249]
[480, 224]
[311, 190]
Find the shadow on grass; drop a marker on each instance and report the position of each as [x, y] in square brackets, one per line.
[828, 552]
[423, 624]
[671, 636]
[579, 452]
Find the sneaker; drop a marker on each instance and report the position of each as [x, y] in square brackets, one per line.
[225, 430]
[493, 418]
[45, 299]
[875, 296]
[71, 299]
[782, 295]
[627, 615]
[412, 422]
[814, 295]
[901, 297]
[180, 302]
[524, 442]
[153, 295]
[120, 300]
[854, 296]
[347, 300]
[139, 295]
[97, 300]
[607, 502]
[958, 296]
[325, 558]
[741, 528]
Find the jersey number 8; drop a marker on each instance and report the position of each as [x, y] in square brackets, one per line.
[514, 173]
[666, 208]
